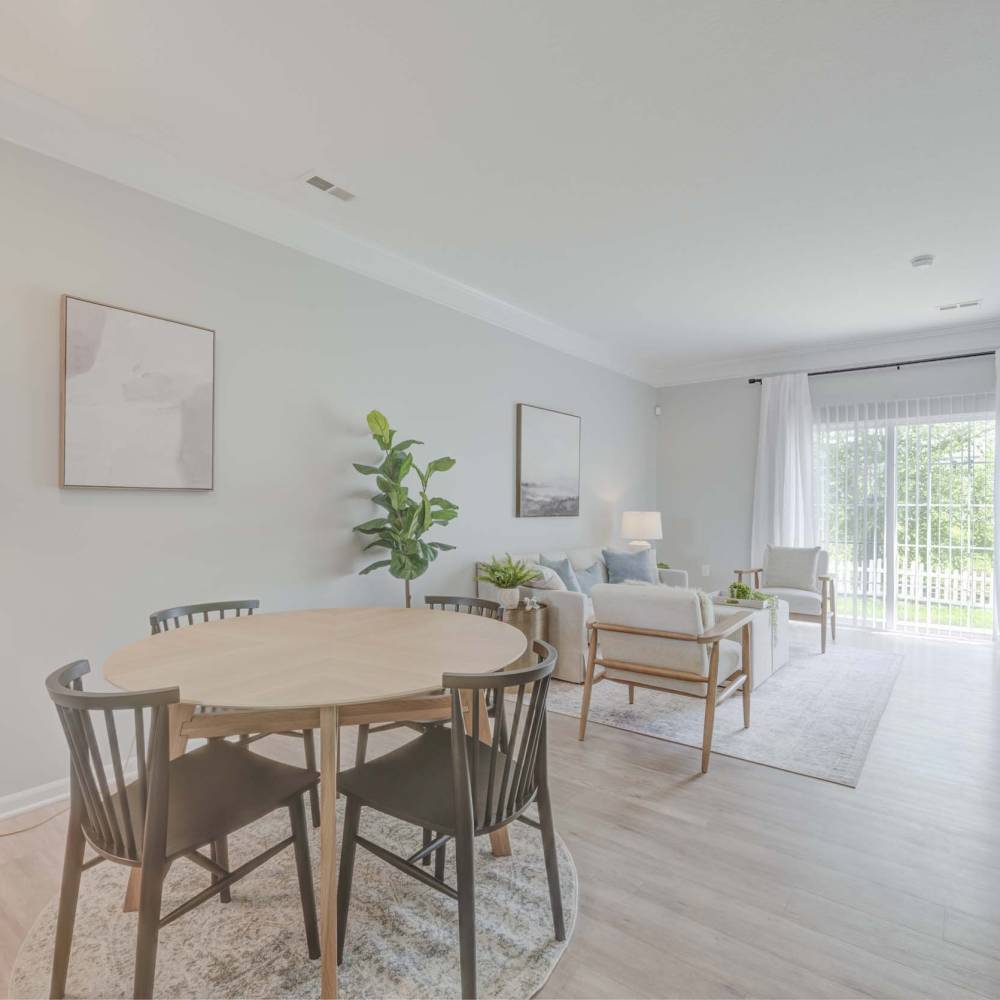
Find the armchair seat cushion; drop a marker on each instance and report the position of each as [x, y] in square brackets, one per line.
[730, 656]
[801, 602]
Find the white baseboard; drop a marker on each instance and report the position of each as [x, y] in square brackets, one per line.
[33, 798]
[55, 791]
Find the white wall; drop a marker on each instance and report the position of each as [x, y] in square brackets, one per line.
[303, 351]
[707, 453]
[705, 467]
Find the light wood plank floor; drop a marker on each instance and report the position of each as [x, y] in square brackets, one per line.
[750, 881]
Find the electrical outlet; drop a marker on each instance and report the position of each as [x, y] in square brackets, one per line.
[706, 570]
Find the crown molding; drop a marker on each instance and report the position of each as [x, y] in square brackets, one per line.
[50, 128]
[912, 346]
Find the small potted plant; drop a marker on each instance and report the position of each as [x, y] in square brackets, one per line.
[508, 577]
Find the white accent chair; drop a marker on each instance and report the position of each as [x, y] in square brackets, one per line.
[801, 577]
[666, 638]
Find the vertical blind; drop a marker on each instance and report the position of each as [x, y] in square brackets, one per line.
[904, 506]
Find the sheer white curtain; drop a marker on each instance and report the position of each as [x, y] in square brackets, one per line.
[783, 499]
[996, 498]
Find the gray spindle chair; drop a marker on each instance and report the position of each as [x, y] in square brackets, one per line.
[467, 605]
[463, 605]
[172, 808]
[454, 783]
[160, 621]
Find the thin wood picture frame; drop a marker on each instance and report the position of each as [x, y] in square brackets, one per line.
[547, 462]
[167, 395]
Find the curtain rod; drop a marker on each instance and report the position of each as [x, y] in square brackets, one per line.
[891, 364]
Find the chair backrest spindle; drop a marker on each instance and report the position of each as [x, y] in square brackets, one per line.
[159, 621]
[113, 823]
[511, 760]
[466, 605]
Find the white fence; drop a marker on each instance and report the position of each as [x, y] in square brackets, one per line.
[926, 598]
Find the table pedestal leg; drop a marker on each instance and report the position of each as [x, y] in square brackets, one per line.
[499, 839]
[329, 739]
[178, 715]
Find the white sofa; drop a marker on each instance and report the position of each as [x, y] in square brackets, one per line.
[569, 611]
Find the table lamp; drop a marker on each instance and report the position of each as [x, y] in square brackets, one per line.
[640, 527]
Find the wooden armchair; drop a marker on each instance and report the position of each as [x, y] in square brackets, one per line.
[657, 637]
[787, 576]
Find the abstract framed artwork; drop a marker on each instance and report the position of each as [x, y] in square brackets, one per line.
[138, 400]
[548, 463]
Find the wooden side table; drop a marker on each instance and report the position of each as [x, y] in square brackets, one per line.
[534, 624]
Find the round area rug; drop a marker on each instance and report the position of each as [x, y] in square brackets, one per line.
[402, 937]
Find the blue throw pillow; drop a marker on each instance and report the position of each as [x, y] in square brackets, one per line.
[591, 577]
[564, 570]
[624, 566]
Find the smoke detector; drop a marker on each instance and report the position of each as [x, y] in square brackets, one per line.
[922, 260]
[328, 187]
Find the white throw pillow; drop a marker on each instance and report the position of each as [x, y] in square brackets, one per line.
[791, 567]
[548, 579]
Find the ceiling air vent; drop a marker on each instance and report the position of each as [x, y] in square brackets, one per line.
[328, 187]
[968, 304]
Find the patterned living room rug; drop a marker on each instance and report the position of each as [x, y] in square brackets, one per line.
[816, 716]
[402, 937]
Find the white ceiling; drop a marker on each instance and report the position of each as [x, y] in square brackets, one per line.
[657, 186]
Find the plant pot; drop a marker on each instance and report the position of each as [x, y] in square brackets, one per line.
[509, 597]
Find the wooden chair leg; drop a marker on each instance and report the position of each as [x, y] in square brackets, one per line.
[466, 869]
[220, 855]
[711, 695]
[588, 683]
[153, 872]
[309, 742]
[362, 751]
[822, 630]
[439, 859]
[549, 843]
[68, 895]
[297, 818]
[833, 612]
[352, 816]
[631, 694]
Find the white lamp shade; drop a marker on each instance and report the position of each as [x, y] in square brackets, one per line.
[642, 525]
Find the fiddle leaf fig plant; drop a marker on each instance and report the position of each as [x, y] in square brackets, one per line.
[408, 516]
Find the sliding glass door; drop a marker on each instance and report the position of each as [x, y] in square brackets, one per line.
[904, 495]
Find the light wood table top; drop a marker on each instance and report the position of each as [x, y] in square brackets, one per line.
[305, 659]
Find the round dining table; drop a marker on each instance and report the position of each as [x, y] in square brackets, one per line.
[316, 669]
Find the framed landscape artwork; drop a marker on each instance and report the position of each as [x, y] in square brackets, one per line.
[548, 463]
[138, 400]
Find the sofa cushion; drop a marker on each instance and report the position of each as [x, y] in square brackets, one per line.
[802, 602]
[547, 579]
[624, 566]
[562, 569]
[591, 577]
[797, 568]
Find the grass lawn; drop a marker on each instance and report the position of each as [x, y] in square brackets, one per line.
[915, 613]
